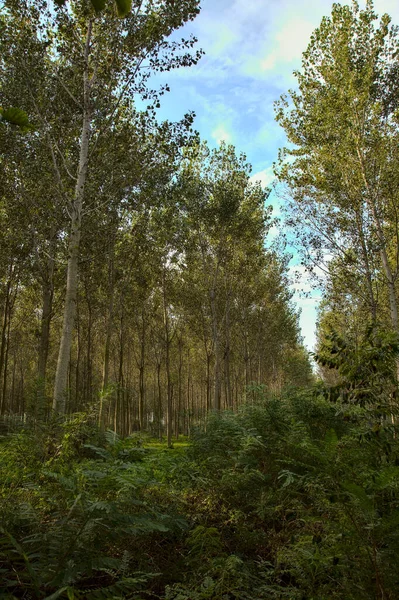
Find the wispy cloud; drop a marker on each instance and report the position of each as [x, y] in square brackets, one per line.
[264, 177]
[220, 134]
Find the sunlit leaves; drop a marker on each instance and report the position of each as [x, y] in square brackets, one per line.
[98, 5]
[15, 116]
[123, 7]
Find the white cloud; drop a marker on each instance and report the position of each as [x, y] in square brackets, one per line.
[265, 177]
[289, 43]
[220, 134]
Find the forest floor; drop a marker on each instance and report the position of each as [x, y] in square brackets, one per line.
[290, 499]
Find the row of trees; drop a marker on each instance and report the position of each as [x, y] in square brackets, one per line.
[343, 167]
[134, 273]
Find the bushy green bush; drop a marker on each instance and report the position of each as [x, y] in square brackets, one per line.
[312, 490]
[76, 527]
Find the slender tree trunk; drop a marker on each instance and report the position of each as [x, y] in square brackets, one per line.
[216, 373]
[61, 376]
[6, 357]
[169, 407]
[159, 400]
[142, 372]
[13, 403]
[188, 415]
[108, 337]
[229, 401]
[246, 365]
[4, 337]
[120, 388]
[76, 402]
[179, 390]
[88, 356]
[47, 309]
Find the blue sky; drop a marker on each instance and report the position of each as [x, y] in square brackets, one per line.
[251, 49]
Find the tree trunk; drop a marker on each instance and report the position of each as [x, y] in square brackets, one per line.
[6, 356]
[188, 416]
[142, 373]
[216, 350]
[169, 407]
[108, 336]
[208, 381]
[159, 400]
[229, 401]
[179, 389]
[119, 395]
[61, 376]
[77, 395]
[246, 365]
[87, 397]
[44, 344]
[4, 341]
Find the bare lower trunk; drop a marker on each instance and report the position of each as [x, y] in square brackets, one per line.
[227, 357]
[6, 358]
[169, 404]
[3, 345]
[208, 381]
[120, 389]
[179, 390]
[246, 366]
[141, 373]
[88, 391]
[61, 377]
[47, 309]
[216, 350]
[159, 400]
[188, 416]
[107, 349]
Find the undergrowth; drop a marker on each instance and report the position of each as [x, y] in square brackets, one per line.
[292, 497]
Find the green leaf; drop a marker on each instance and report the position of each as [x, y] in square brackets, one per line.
[331, 441]
[123, 7]
[360, 495]
[58, 593]
[388, 477]
[15, 116]
[98, 5]
[25, 557]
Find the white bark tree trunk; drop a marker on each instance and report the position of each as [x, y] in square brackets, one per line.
[61, 377]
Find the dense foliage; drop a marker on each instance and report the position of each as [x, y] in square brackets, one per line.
[292, 497]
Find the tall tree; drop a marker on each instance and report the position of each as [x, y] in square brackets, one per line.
[343, 125]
